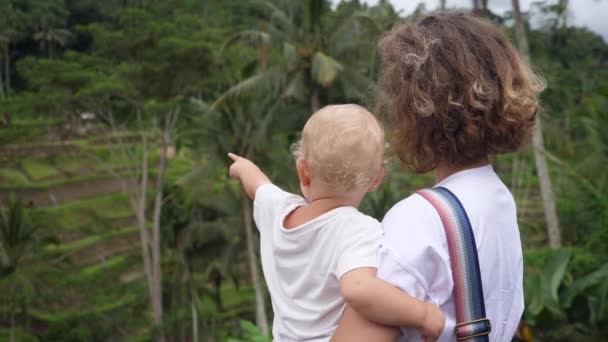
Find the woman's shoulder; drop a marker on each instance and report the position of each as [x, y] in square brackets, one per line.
[412, 220]
[411, 208]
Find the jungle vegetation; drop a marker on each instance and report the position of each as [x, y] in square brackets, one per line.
[118, 220]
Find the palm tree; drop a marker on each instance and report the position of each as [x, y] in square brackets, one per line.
[546, 188]
[198, 246]
[19, 238]
[47, 18]
[4, 45]
[316, 50]
[49, 37]
[241, 124]
[480, 7]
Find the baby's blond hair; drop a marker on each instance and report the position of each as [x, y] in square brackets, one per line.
[343, 146]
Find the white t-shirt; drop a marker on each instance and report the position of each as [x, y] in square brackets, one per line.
[414, 254]
[303, 265]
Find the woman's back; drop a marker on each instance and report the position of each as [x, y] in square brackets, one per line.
[456, 93]
[415, 256]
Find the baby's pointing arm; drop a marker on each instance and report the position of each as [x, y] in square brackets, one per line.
[248, 173]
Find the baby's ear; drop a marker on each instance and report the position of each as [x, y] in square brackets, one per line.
[378, 180]
[303, 172]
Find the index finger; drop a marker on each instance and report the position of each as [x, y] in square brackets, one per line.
[233, 156]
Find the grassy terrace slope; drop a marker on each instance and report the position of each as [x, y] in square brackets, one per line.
[95, 268]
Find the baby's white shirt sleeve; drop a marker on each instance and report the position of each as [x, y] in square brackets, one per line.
[267, 206]
[358, 245]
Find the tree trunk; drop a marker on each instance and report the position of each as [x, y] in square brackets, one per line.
[140, 204]
[476, 5]
[7, 69]
[150, 268]
[546, 188]
[192, 292]
[12, 336]
[193, 307]
[157, 299]
[2, 95]
[194, 320]
[262, 51]
[314, 99]
[1, 83]
[563, 13]
[150, 246]
[480, 7]
[260, 313]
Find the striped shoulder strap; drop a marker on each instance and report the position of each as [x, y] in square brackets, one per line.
[471, 321]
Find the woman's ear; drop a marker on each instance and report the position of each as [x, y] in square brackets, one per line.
[303, 172]
[378, 180]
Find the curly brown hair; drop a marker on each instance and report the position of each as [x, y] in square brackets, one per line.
[456, 91]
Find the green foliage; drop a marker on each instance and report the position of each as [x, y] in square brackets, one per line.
[307, 52]
[245, 77]
[558, 296]
[250, 333]
[19, 334]
[19, 235]
[38, 170]
[104, 207]
[87, 242]
[544, 286]
[13, 177]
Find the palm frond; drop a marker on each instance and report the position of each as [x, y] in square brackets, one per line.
[261, 128]
[290, 54]
[251, 37]
[356, 85]
[278, 17]
[17, 234]
[325, 69]
[269, 81]
[198, 105]
[296, 88]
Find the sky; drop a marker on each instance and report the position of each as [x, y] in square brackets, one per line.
[592, 14]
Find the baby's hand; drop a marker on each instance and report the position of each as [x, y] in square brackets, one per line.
[248, 173]
[241, 166]
[433, 323]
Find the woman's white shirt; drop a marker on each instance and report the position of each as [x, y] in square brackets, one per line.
[414, 254]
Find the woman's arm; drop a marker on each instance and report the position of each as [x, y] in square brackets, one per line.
[383, 303]
[355, 328]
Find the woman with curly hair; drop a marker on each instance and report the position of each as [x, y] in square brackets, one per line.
[456, 93]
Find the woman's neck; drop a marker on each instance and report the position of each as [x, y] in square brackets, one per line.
[444, 171]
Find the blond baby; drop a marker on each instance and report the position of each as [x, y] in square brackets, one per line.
[318, 251]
